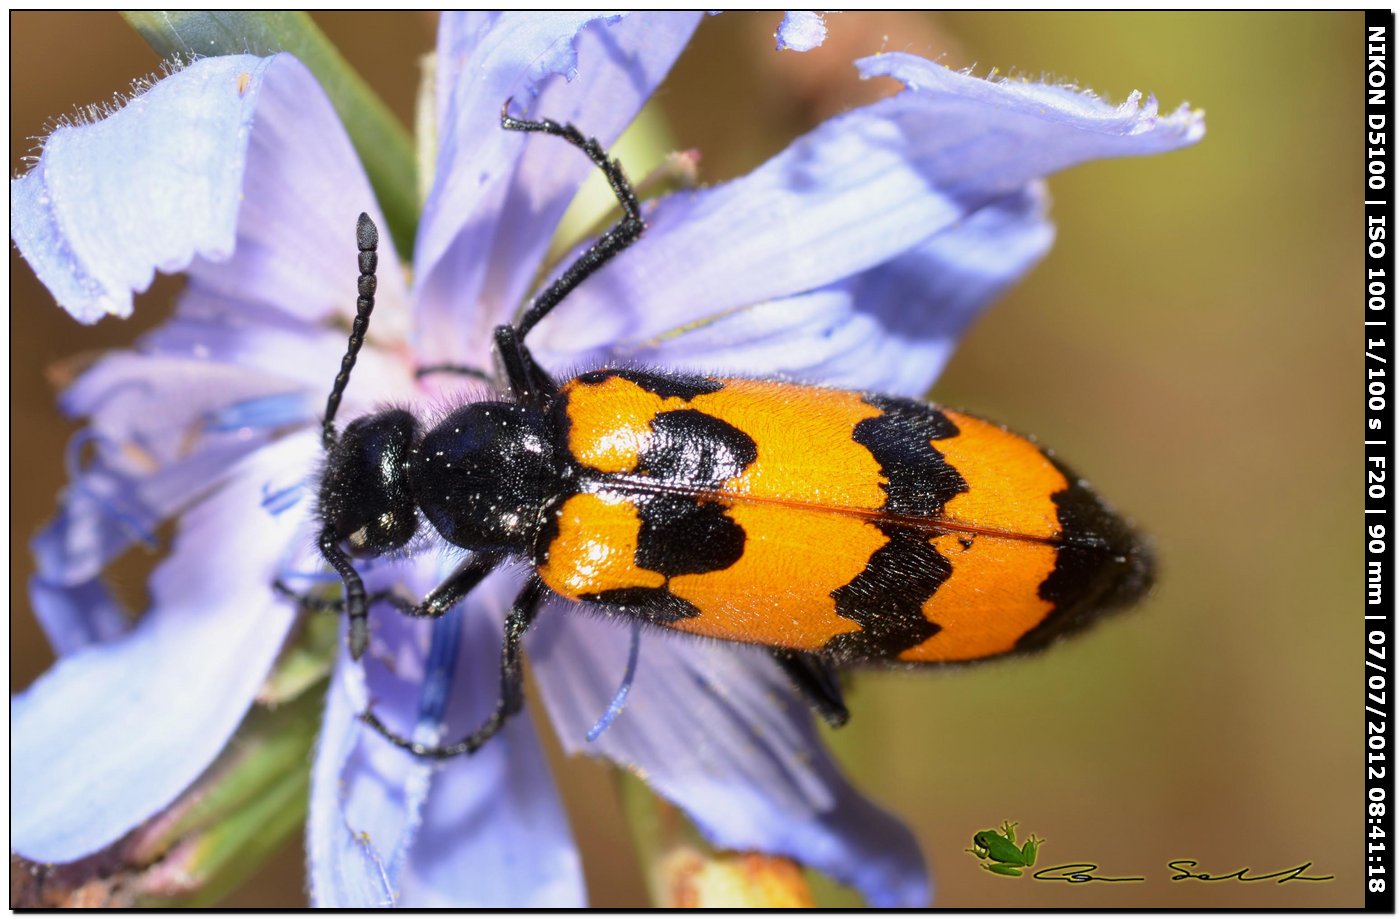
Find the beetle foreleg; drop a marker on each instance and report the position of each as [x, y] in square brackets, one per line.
[512, 698]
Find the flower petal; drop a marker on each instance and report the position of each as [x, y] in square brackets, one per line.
[302, 358]
[859, 190]
[151, 410]
[168, 429]
[104, 510]
[1064, 117]
[81, 216]
[160, 185]
[498, 195]
[77, 616]
[113, 732]
[357, 806]
[717, 729]
[475, 831]
[156, 447]
[888, 329]
[801, 30]
[621, 64]
[303, 189]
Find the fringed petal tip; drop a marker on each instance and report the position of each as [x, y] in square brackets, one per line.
[800, 30]
[96, 220]
[235, 168]
[1086, 110]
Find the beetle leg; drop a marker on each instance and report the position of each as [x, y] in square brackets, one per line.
[455, 586]
[512, 699]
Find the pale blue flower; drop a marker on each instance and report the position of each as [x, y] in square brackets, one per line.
[855, 257]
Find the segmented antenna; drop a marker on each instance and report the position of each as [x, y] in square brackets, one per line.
[367, 238]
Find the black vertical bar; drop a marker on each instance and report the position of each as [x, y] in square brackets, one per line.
[1379, 651]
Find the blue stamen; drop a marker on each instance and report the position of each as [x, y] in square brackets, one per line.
[262, 412]
[437, 675]
[618, 700]
[279, 501]
[433, 694]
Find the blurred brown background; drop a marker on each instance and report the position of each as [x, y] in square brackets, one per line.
[1190, 343]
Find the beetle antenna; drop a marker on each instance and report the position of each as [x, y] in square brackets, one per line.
[367, 238]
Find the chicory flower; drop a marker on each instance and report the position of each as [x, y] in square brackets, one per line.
[854, 258]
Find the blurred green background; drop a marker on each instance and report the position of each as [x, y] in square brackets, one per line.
[1190, 344]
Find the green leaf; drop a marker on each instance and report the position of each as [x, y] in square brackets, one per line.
[381, 141]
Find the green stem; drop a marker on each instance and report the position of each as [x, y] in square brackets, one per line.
[243, 810]
[381, 141]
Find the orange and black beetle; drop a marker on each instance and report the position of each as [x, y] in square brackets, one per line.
[833, 527]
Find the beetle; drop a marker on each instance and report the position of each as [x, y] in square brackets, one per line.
[835, 528]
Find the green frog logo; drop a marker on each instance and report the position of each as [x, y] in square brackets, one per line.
[998, 852]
